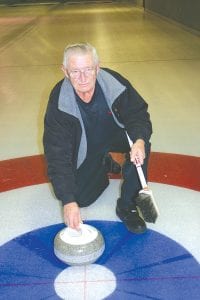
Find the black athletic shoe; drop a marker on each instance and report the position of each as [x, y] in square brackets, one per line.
[111, 165]
[131, 219]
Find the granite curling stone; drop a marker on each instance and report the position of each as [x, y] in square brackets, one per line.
[79, 247]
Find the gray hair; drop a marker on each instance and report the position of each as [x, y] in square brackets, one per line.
[82, 48]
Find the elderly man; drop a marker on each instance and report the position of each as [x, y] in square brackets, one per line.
[88, 115]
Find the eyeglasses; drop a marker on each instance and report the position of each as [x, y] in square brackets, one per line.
[75, 74]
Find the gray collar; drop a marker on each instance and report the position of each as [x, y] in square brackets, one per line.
[111, 87]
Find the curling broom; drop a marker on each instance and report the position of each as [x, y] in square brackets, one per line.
[145, 200]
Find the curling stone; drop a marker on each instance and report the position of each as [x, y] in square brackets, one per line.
[79, 247]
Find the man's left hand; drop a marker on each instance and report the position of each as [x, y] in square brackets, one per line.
[137, 153]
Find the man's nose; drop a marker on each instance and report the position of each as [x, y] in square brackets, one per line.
[82, 75]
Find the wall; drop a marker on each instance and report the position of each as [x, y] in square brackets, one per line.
[186, 12]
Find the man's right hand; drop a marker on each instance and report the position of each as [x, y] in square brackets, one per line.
[72, 215]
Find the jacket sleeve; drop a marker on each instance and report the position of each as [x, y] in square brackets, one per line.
[58, 150]
[132, 111]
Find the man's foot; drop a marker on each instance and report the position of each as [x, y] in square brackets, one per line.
[111, 165]
[131, 219]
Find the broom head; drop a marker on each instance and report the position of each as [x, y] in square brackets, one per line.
[147, 205]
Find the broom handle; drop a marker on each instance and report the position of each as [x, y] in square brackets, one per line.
[139, 168]
[141, 176]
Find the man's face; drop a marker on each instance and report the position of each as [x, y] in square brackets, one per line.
[82, 72]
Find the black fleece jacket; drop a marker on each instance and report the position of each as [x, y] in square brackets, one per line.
[65, 144]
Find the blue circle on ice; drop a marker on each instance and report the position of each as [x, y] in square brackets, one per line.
[147, 266]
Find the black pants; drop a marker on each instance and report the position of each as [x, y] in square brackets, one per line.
[92, 178]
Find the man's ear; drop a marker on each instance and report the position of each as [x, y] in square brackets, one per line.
[64, 71]
[98, 68]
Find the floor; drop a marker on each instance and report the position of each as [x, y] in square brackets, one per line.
[162, 60]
